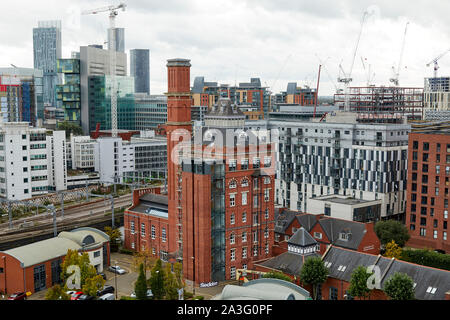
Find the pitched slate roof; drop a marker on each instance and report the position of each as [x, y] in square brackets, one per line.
[333, 227]
[224, 108]
[283, 219]
[426, 278]
[302, 238]
[287, 262]
[307, 221]
[153, 204]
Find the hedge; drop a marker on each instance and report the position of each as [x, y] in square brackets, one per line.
[427, 258]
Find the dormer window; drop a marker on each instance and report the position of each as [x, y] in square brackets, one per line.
[345, 236]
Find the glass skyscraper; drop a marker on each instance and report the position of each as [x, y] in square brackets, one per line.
[100, 102]
[140, 69]
[46, 50]
[69, 92]
[120, 39]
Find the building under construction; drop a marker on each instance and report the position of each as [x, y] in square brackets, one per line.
[383, 103]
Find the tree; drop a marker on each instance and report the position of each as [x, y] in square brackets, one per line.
[114, 238]
[57, 293]
[82, 261]
[392, 230]
[358, 283]
[70, 127]
[277, 275]
[178, 270]
[171, 284]
[393, 250]
[399, 287]
[140, 287]
[92, 285]
[314, 273]
[144, 257]
[157, 281]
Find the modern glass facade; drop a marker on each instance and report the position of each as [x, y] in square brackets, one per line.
[68, 94]
[151, 110]
[46, 50]
[140, 69]
[100, 102]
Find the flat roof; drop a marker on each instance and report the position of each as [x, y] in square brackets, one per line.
[340, 200]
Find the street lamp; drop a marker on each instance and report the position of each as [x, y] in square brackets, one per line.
[115, 278]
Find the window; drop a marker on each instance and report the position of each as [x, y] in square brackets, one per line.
[244, 182]
[132, 227]
[266, 195]
[255, 251]
[244, 216]
[318, 235]
[255, 163]
[255, 236]
[164, 237]
[244, 164]
[423, 232]
[232, 165]
[232, 238]
[244, 253]
[266, 180]
[266, 214]
[435, 234]
[255, 201]
[142, 229]
[244, 236]
[266, 248]
[232, 199]
[233, 184]
[266, 233]
[244, 198]
[333, 293]
[232, 272]
[233, 254]
[97, 254]
[153, 232]
[132, 245]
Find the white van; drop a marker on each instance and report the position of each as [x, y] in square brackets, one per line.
[107, 296]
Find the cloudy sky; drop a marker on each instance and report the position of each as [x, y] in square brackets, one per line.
[230, 41]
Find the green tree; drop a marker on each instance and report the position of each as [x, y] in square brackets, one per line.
[314, 273]
[178, 270]
[70, 127]
[114, 238]
[277, 275]
[157, 281]
[358, 283]
[393, 250]
[392, 230]
[57, 293]
[92, 285]
[140, 287]
[82, 261]
[144, 257]
[399, 287]
[171, 284]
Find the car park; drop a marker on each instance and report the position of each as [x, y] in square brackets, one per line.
[18, 296]
[108, 296]
[117, 269]
[106, 289]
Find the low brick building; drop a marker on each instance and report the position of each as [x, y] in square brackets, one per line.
[146, 225]
[37, 266]
[326, 230]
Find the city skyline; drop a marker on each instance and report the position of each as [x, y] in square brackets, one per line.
[228, 43]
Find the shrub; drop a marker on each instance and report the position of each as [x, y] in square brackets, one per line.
[427, 258]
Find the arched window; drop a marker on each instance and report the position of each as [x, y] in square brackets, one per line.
[244, 182]
[233, 184]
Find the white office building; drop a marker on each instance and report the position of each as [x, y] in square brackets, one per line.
[32, 162]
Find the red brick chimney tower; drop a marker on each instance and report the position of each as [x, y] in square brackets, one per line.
[178, 118]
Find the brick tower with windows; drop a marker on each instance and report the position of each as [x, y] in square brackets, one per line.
[178, 128]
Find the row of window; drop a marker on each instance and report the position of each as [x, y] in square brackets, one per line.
[423, 232]
[244, 252]
[152, 232]
[426, 146]
[244, 236]
[244, 217]
[244, 198]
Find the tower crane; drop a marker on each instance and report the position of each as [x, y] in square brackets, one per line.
[113, 12]
[435, 60]
[397, 73]
[348, 77]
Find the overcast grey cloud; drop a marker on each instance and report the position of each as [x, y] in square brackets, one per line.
[231, 41]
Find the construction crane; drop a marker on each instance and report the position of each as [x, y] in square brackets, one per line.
[397, 72]
[317, 92]
[435, 60]
[113, 12]
[370, 75]
[348, 76]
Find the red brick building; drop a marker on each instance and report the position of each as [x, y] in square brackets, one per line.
[428, 189]
[37, 266]
[146, 224]
[325, 230]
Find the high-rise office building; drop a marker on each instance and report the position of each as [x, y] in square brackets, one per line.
[120, 39]
[151, 111]
[30, 95]
[69, 92]
[46, 50]
[95, 62]
[140, 69]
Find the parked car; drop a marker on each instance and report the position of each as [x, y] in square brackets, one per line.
[105, 290]
[18, 296]
[149, 294]
[76, 295]
[108, 296]
[117, 269]
[86, 297]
